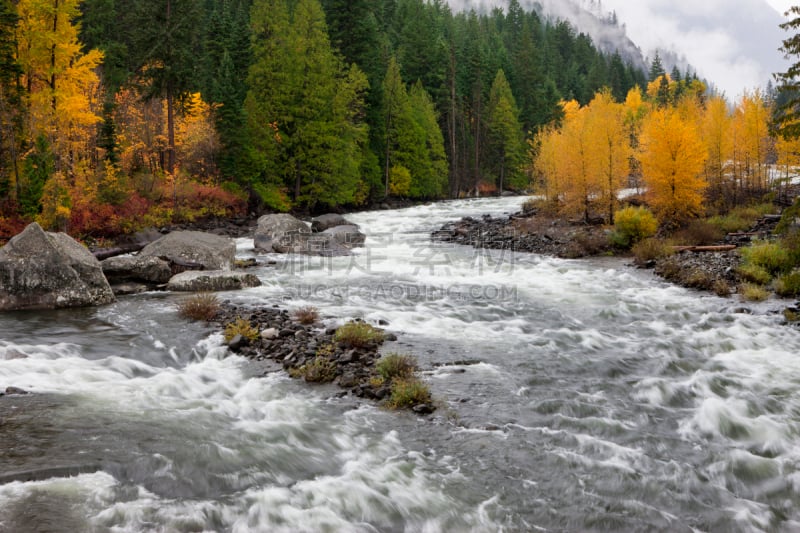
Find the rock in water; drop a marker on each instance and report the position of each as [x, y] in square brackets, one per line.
[277, 228]
[40, 270]
[346, 235]
[147, 269]
[211, 281]
[286, 235]
[331, 220]
[213, 252]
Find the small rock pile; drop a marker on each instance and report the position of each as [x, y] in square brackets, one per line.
[293, 346]
[521, 233]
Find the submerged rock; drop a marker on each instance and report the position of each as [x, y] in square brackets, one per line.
[40, 270]
[347, 235]
[277, 228]
[212, 281]
[330, 220]
[147, 269]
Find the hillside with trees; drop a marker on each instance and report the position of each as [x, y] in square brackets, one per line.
[116, 116]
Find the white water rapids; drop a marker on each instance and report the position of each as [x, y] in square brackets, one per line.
[574, 396]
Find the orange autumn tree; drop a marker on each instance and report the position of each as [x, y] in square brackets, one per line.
[610, 148]
[753, 143]
[579, 186]
[546, 150]
[672, 158]
[60, 78]
[717, 133]
[62, 88]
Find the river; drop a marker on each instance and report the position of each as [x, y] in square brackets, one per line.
[574, 396]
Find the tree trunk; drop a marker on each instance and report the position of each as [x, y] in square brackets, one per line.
[477, 169]
[170, 131]
[170, 111]
[454, 181]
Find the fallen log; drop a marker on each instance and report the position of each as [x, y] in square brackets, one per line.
[105, 253]
[716, 248]
[748, 233]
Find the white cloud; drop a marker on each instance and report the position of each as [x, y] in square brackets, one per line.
[732, 43]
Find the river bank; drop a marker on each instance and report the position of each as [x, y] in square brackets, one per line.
[717, 272]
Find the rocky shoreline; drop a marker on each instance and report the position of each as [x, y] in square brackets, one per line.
[526, 231]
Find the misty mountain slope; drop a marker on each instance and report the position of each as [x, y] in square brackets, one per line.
[588, 17]
[732, 42]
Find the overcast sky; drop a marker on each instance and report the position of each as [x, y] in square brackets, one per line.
[732, 43]
[781, 5]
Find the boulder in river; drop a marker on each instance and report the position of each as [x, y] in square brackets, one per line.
[211, 281]
[277, 228]
[211, 252]
[147, 269]
[40, 270]
[347, 235]
[308, 244]
[331, 220]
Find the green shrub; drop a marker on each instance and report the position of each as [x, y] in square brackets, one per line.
[651, 249]
[408, 392]
[791, 243]
[699, 279]
[358, 335]
[769, 255]
[632, 224]
[203, 306]
[320, 370]
[306, 315]
[754, 274]
[721, 287]
[730, 223]
[242, 327]
[788, 217]
[395, 365]
[788, 284]
[753, 293]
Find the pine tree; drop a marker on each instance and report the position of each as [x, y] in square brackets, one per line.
[395, 102]
[656, 68]
[788, 113]
[165, 48]
[11, 112]
[505, 134]
[305, 110]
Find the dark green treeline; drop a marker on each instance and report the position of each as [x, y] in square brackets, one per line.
[340, 102]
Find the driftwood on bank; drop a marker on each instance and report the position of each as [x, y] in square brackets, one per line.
[105, 253]
[717, 248]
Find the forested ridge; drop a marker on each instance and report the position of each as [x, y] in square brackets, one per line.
[117, 115]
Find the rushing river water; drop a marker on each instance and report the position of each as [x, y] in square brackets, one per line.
[575, 396]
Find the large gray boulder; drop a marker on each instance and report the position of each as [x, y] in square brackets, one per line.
[211, 281]
[348, 236]
[278, 228]
[40, 270]
[331, 220]
[212, 252]
[147, 269]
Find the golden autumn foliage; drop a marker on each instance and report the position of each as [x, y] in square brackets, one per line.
[585, 164]
[672, 158]
[60, 78]
[610, 147]
[686, 148]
